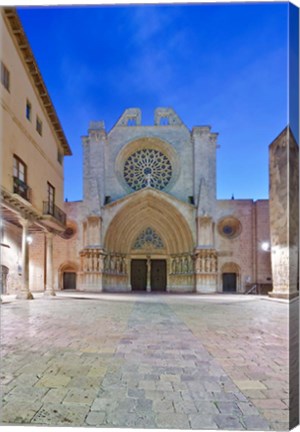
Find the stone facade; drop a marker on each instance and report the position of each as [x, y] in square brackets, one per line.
[150, 220]
[284, 215]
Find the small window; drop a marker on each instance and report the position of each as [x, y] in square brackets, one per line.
[28, 110]
[39, 125]
[20, 186]
[5, 76]
[19, 169]
[51, 198]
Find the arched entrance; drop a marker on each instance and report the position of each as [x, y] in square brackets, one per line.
[68, 276]
[230, 273]
[150, 231]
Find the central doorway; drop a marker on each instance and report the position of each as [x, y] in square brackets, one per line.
[157, 277]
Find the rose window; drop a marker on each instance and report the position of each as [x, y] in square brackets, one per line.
[147, 167]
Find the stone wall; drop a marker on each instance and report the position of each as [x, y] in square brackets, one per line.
[284, 211]
[11, 257]
[243, 248]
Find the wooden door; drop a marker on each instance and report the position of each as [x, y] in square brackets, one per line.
[139, 275]
[229, 282]
[158, 275]
[69, 280]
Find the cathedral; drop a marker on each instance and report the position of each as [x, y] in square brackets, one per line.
[149, 219]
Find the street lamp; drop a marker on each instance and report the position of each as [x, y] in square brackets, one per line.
[265, 246]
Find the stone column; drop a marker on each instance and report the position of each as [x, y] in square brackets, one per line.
[25, 291]
[49, 266]
[148, 274]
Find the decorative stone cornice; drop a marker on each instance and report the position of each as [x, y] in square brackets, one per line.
[14, 24]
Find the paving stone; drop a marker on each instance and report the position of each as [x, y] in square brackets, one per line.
[147, 385]
[105, 404]
[84, 382]
[127, 419]
[163, 406]
[186, 407]
[248, 408]
[230, 408]
[250, 385]
[200, 421]
[96, 418]
[270, 404]
[228, 422]
[174, 421]
[255, 394]
[275, 415]
[170, 378]
[164, 386]
[255, 422]
[206, 407]
[55, 395]
[26, 379]
[80, 397]
[61, 415]
[28, 394]
[136, 393]
[15, 412]
[53, 381]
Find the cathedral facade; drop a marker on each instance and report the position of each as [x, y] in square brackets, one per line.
[149, 219]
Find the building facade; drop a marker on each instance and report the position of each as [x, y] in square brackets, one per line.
[149, 219]
[33, 146]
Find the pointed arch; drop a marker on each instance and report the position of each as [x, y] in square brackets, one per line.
[148, 209]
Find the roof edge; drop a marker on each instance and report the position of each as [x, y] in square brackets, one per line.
[14, 23]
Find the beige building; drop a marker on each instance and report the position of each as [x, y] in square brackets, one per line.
[33, 146]
[149, 219]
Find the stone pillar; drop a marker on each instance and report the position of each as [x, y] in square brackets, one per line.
[128, 265]
[284, 214]
[205, 231]
[94, 167]
[25, 291]
[205, 145]
[49, 266]
[148, 274]
[206, 270]
[93, 231]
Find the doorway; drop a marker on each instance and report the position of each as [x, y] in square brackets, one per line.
[158, 275]
[229, 282]
[69, 280]
[4, 274]
[139, 275]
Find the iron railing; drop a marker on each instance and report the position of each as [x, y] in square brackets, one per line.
[21, 188]
[52, 210]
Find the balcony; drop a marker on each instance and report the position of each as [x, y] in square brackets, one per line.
[22, 189]
[54, 217]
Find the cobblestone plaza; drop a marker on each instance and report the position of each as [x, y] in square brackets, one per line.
[146, 361]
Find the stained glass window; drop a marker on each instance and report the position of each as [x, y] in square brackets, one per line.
[148, 238]
[147, 167]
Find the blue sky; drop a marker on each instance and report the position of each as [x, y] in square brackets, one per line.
[219, 64]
